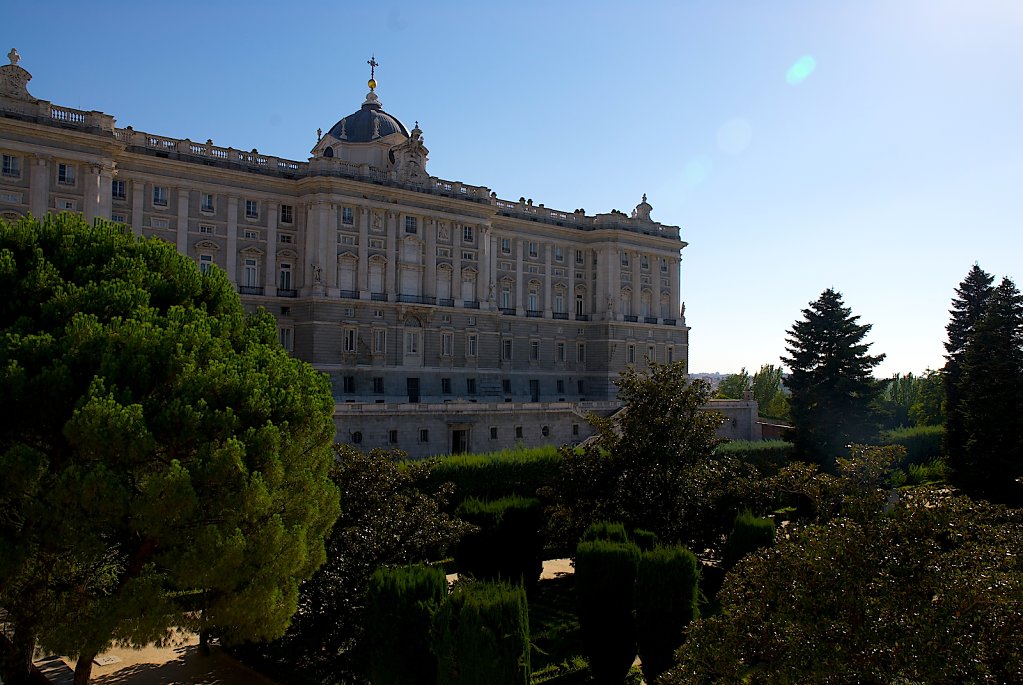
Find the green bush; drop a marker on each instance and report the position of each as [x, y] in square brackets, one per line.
[400, 606]
[481, 636]
[508, 544]
[610, 531]
[749, 534]
[644, 539]
[666, 597]
[605, 575]
[497, 474]
[767, 455]
[931, 472]
[922, 443]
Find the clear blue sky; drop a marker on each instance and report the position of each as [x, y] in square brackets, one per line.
[884, 172]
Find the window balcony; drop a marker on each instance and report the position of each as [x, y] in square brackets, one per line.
[417, 299]
[534, 313]
[509, 311]
[471, 304]
[250, 289]
[561, 315]
[631, 317]
[670, 322]
[378, 297]
[349, 294]
[582, 317]
[446, 302]
[650, 319]
[286, 292]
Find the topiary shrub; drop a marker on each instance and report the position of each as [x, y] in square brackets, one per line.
[400, 605]
[481, 636]
[644, 539]
[494, 475]
[749, 533]
[605, 577]
[606, 530]
[508, 544]
[666, 597]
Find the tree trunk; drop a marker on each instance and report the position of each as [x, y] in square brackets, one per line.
[17, 655]
[204, 642]
[83, 668]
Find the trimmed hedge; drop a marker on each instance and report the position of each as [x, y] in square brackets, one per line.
[666, 602]
[749, 534]
[922, 443]
[610, 531]
[400, 605]
[497, 474]
[767, 455]
[646, 540]
[481, 636]
[605, 581]
[509, 543]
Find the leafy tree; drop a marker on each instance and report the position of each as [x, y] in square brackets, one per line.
[389, 518]
[831, 380]
[919, 589]
[734, 386]
[967, 307]
[989, 462]
[928, 408]
[769, 393]
[165, 460]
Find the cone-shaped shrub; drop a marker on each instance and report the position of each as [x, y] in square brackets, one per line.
[508, 545]
[606, 530]
[481, 636]
[666, 589]
[400, 606]
[749, 534]
[605, 580]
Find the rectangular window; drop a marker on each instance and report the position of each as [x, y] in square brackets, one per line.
[378, 385]
[207, 229]
[348, 383]
[118, 189]
[630, 354]
[505, 299]
[287, 214]
[506, 349]
[285, 273]
[379, 341]
[160, 223]
[579, 258]
[411, 224]
[251, 235]
[664, 265]
[12, 166]
[575, 429]
[506, 386]
[347, 216]
[206, 202]
[250, 273]
[205, 263]
[346, 239]
[159, 196]
[287, 338]
[559, 254]
[69, 205]
[424, 435]
[625, 259]
[518, 432]
[349, 340]
[560, 347]
[534, 249]
[467, 234]
[392, 436]
[506, 245]
[468, 255]
[493, 432]
[534, 350]
[411, 342]
[580, 387]
[447, 344]
[669, 355]
[580, 352]
[251, 209]
[561, 386]
[116, 218]
[445, 386]
[66, 174]
[559, 303]
[471, 345]
[471, 321]
[470, 386]
[644, 262]
[287, 238]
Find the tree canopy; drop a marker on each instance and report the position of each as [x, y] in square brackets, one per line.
[830, 379]
[165, 461]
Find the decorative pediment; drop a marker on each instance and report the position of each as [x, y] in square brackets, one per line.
[287, 252]
[252, 251]
[347, 256]
[378, 259]
[206, 245]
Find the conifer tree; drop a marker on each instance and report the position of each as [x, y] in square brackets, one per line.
[831, 381]
[967, 308]
[989, 460]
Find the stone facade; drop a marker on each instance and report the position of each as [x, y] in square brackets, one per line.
[434, 305]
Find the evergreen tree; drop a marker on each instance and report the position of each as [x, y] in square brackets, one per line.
[967, 308]
[831, 381]
[989, 461]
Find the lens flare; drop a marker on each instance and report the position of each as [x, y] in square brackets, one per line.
[801, 70]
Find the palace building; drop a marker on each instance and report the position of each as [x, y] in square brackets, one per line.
[448, 319]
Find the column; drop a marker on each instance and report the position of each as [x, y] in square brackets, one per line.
[106, 180]
[600, 291]
[39, 193]
[482, 270]
[231, 265]
[312, 277]
[613, 260]
[390, 278]
[488, 247]
[547, 282]
[329, 254]
[429, 286]
[363, 277]
[637, 285]
[520, 280]
[138, 206]
[312, 233]
[673, 282]
[91, 193]
[182, 230]
[270, 280]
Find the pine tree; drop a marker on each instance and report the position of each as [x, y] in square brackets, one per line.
[989, 462]
[967, 308]
[831, 381]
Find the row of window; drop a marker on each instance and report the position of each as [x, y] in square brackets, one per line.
[424, 434]
[348, 385]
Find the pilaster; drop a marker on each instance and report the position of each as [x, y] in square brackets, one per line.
[363, 275]
[429, 288]
[390, 277]
[273, 211]
[39, 194]
[182, 229]
[231, 266]
[138, 206]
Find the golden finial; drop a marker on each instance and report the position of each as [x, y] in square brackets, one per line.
[373, 64]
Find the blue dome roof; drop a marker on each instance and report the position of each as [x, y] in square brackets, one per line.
[368, 124]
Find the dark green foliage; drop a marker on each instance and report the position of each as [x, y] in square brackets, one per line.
[508, 543]
[554, 623]
[928, 409]
[400, 605]
[768, 392]
[734, 386]
[767, 455]
[666, 602]
[830, 380]
[749, 534]
[644, 539]
[922, 443]
[605, 530]
[481, 636]
[492, 476]
[605, 576]
[158, 447]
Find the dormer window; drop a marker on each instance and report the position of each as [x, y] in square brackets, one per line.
[328, 151]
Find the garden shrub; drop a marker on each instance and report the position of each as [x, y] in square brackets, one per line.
[612, 531]
[749, 533]
[401, 603]
[497, 474]
[605, 576]
[767, 455]
[922, 443]
[646, 540]
[508, 544]
[666, 602]
[481, 636]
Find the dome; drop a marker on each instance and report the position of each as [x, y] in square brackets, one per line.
[368, 124]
